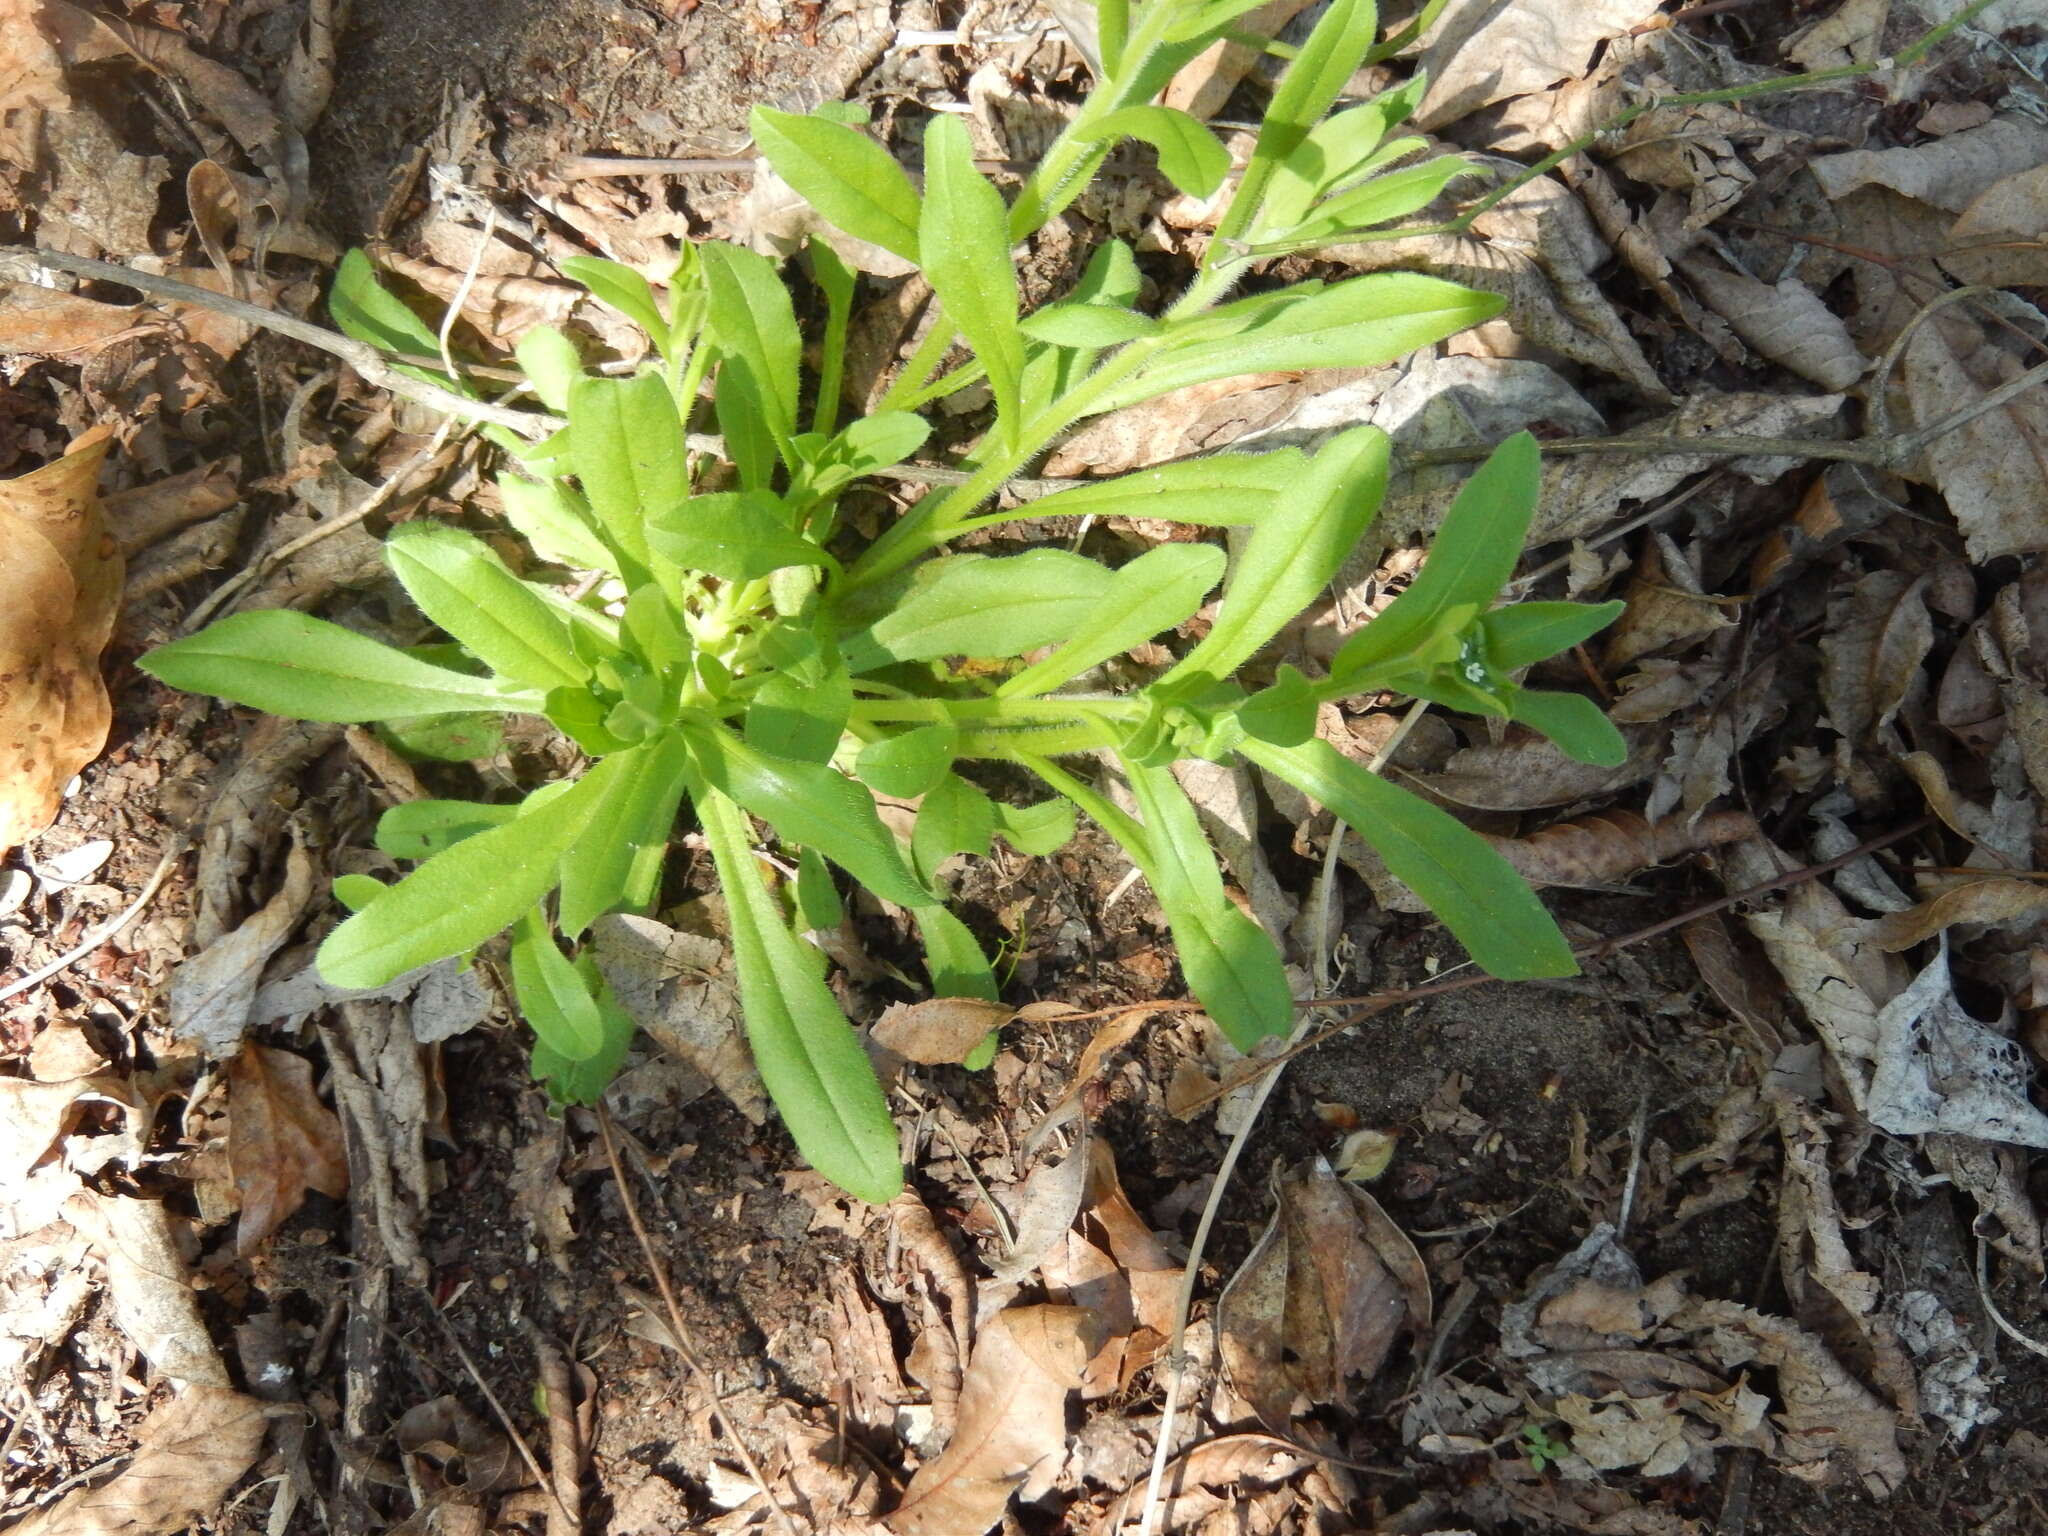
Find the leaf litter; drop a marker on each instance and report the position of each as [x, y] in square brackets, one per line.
[1820, 652]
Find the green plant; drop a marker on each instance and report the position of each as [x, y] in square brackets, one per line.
[1541, 1448]
[749, 653]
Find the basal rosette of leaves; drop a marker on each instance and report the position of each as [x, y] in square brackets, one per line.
[748, 660]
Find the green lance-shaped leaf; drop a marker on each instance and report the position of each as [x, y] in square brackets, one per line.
[1339, 149]
[804, 718]
[980, 605]
[1226, 490]
[471, 892]
[419, 829]
[1229, 960]
[1088, 327]
[365, 309]
[910, 762]
[626, 837]
[849, 178]
[459, 582]
[1151, 594]
[1359, 323]
[809, 804]
[625, 290]
[1190, 155]
[551, 363]
[954, 956]
[964, 248]
[734, 535]
[1525, 633]
[1383, 199]
[551, 995]
[1292, 554]
[584, 1082]
[810, 1059]
[1580, 727]
[557, 523]
[626, 441]
[1036, 830]
[1320, 71]
[754, 324]
[1470, 559]
[954, 817]
[1464, 882]
[290, 664]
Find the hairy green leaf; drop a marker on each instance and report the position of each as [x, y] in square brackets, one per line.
[1088, 326]
[627, 444]
[291, 664]
[1525, 633]
[810, 1058]
[556, 522]
[419, 829]
[1190, 155]
[551, 995]
[626, 835]
[459, 582]
[909, 763]
[1225, 490]
[981, 605]
[754, 324]
[1458, 876]
[964, 248]
[624, 290]
[848, 177]
[1150, 595]
[734, 535]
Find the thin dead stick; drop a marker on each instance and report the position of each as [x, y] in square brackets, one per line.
[504, 1419]
[19, 262]
[681, 1329]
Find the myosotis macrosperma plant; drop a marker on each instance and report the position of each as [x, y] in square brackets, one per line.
[747, 653]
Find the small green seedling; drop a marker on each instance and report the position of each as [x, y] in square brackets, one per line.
[1540, 1449]
[750, 656]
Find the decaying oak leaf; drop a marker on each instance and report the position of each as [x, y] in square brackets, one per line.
[282, 1141]
[189, 1453]
[1012, 1425]
[60, 589]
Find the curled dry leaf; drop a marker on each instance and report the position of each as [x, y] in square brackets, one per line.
[60, 590]
[1993, 902]
[940, 1030]
[189, 1453]
[212, 994]
[679, 987]
[1937, 1069]
[1785, 322]
[1481, 52]
[1326, 1294]
[1109, 1038]
[1227, 1462]
[282, 1141]
[1599, 850]
[1012, 1423]
[1990, 469]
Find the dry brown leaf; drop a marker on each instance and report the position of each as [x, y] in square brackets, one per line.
[44, 322]
[1827, 1413]
[189, 1452]
[1992, 470]
[1481, 52]
[1785, 322]
[282, 1141]
[1599, 850]
[1997, 239]
[1012, 1423]
[60, 590]
[1937, 1069]
[940, 1030]
[1661, 614]
[1528, 773]
[1205, 82]
[1854, 34]
[154, 1303]
[1981, 901]
[1109, 1037]
[146, 513]
[466, 1450]
[678, 986]
[1223, 1463]
[1325, 1296]
[1114, 1265]
[212, 993]
[1044, 1207]
[1948, 173]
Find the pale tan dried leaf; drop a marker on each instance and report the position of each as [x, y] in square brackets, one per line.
[1202, 416]
[31, 69]
[1997, 239]
[1992, 470]
[212, 993]
[1814, 1257]
[1854, 34]
[43, 322]
[1996, 1178]
[679, 987]
[60, 590]
[140, 516]
[282, 1141]
[1948, 173]
[940, 1030]
[1225, 1463]
[1044, 1208]
[189, 1453]
[1205, 82]
[1012, 1423]
[1622, 1431]
[154, 1303]
[1785, 322]
[1527, 773]
[1661, 616]
[1481, 52]
[1827, 1413]
[539, 1194]
[236, 104]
